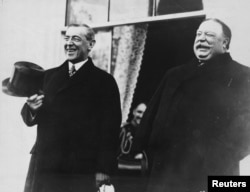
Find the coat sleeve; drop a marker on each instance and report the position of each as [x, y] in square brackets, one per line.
[156, 110]
[28, 118]
[144, 132]
[110, 126]
[239, 129]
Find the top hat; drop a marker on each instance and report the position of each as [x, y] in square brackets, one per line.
[26, 80]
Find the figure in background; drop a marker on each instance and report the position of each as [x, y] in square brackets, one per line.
[128, 131]
[131, 170]
[198, 121]
[78, 118]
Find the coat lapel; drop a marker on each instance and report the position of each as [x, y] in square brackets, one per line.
[61, 78]
[81, 76]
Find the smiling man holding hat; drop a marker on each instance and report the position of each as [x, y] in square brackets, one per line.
[78, 116]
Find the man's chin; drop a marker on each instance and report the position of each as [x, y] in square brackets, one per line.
[203, 57]
[74, 60]
[138, 122]
[70, 58]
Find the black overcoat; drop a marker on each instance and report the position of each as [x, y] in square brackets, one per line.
[77, 132]
[197, 124]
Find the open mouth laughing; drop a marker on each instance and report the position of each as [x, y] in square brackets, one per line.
[202, 47]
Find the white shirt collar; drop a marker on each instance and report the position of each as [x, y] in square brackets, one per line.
[77, 65]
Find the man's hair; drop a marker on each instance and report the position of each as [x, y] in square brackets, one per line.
[225, 28]
[90, 34]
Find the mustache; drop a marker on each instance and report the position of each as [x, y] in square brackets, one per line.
[199, 45]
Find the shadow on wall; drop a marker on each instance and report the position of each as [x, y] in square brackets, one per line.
[178, 6]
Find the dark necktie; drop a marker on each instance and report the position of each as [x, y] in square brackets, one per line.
[72, 71]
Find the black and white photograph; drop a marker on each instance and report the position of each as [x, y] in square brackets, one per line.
[124, 95]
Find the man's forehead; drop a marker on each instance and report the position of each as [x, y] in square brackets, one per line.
[76, 31]
[141, 107]
[210, 25]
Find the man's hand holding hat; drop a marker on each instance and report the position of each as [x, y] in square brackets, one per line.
[35, 102]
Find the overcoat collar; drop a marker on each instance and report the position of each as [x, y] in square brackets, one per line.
[220, 65]
[63, 81]
[219, 60]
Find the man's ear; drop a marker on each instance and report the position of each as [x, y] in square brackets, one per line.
[91, 44]
[225, 44]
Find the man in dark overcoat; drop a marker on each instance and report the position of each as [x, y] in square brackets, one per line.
[78, 118]
[198, 122]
